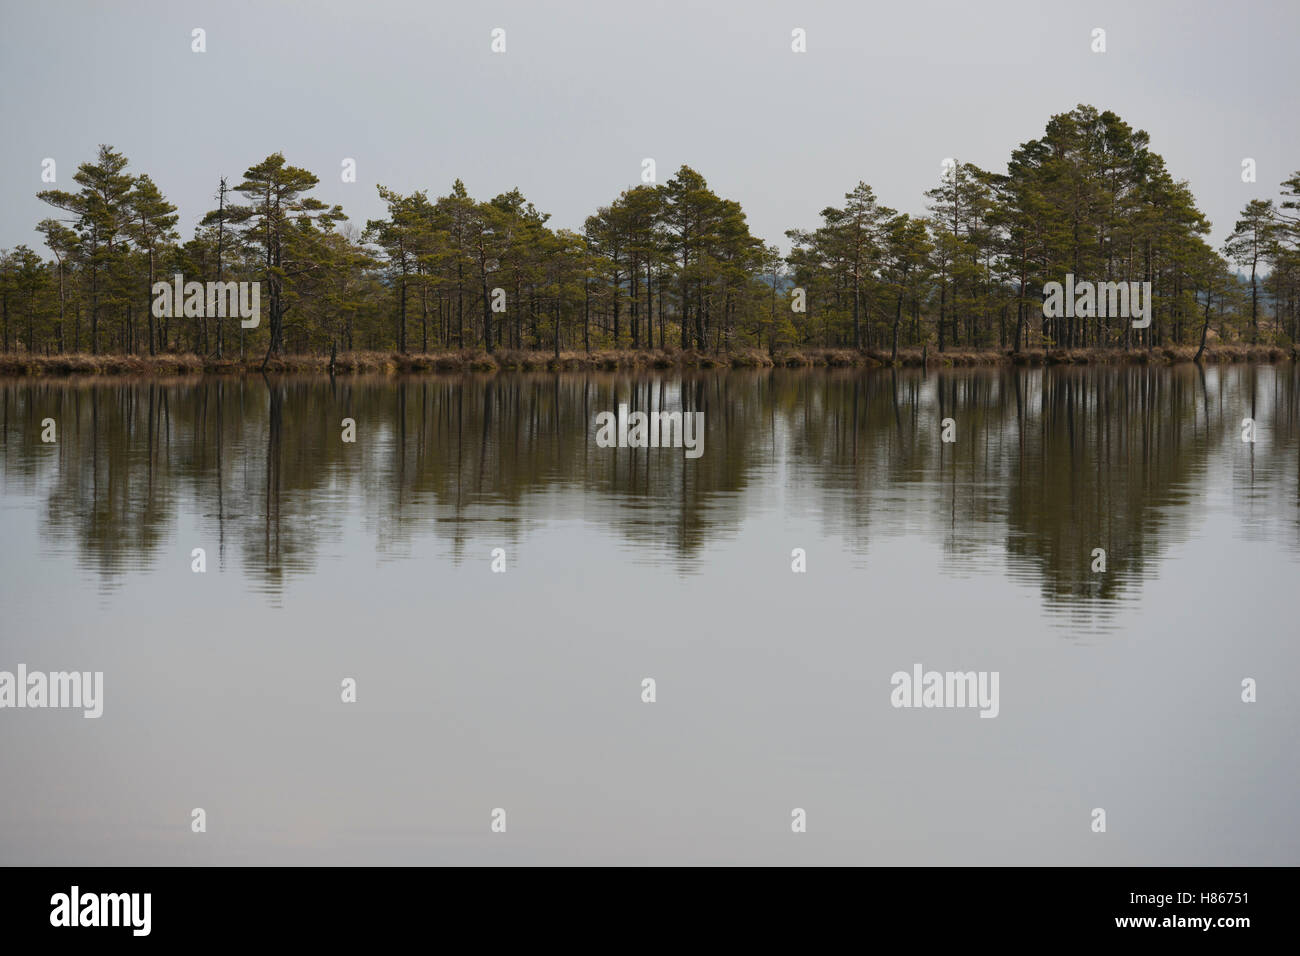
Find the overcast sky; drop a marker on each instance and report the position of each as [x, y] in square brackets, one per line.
[586, 90]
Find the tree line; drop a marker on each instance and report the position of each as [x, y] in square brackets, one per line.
[663, 266]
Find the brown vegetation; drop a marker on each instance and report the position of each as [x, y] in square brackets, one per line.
[508, 360]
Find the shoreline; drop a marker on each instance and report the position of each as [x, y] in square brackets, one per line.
[509, 360]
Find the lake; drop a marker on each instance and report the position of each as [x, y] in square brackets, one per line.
[498, 587]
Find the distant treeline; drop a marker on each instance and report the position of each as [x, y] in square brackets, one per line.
[664, 266]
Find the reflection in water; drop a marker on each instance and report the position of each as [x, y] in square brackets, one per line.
[1048, 465]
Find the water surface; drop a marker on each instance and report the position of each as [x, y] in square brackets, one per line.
[522, 690]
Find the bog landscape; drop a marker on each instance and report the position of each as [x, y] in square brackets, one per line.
[665, 275]
[648, 435]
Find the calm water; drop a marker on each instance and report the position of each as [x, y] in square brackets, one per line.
[522, 690]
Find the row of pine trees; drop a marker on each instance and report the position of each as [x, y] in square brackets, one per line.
[663, 266]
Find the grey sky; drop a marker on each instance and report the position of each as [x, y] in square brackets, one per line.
[587, 89]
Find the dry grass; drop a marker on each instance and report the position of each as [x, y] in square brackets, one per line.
[351, 363]
[22, 364]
